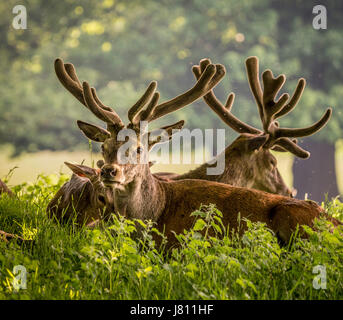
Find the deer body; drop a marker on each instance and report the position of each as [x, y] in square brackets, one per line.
[170, 203]
[83, 198]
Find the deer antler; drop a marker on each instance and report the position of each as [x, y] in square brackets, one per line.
[66, 73]
[206, 82]
[269, 109]
[223, 111]
[87, 96]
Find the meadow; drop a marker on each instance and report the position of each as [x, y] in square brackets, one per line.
[67, 262]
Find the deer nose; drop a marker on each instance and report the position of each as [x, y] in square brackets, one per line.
[109, 171]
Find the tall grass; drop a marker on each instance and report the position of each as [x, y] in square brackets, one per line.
[65, 262]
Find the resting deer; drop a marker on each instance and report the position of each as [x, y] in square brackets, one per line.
[81, 195]
[248, 160]
[83, 198]
[137, 193]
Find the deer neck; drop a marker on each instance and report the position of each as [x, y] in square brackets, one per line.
[236, 172]
[143, 198]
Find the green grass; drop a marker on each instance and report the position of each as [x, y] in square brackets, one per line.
[106, 263]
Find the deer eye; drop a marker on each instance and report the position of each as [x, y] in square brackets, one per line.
[101, 199]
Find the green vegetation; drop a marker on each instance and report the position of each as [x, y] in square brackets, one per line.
[107, 263]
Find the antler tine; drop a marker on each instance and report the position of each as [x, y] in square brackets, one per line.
[292, 147]
[252, 68]
[307, 131]
[223, 111]
[67, 75]
[271, 87]
[108, 116]
[139, 105]
[206, 82]
[108, 111]
[294, 100]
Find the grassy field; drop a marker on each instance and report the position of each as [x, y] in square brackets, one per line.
[65, 262]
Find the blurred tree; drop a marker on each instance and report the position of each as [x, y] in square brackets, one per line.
[317, 56]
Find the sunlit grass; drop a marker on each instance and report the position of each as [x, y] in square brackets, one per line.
[65, 262]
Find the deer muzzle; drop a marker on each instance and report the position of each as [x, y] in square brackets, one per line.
[111, 174]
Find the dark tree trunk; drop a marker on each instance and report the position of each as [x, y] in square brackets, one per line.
[316, 175]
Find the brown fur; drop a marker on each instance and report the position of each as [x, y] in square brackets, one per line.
[170, 203]
[244, 167]
[79, 198]
[281, 214]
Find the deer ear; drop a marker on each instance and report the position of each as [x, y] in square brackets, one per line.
[167, 131]
[82, 171]
[256, 142]
[93, 132]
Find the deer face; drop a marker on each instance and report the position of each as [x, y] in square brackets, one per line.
[260, 165]
[95, 202]
[124, 161]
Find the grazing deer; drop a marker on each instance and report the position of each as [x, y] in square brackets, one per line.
[83, 197]
[248, 160]
[137, 193]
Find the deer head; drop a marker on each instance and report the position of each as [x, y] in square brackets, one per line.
[84, 198]
[249, 155]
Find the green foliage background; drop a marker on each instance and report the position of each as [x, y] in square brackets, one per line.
[120, 46]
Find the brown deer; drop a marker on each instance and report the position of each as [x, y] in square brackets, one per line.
[137, 193]
[248, 160]
[83, 198]
[80, 196]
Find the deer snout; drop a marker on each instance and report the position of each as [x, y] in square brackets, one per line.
[110, 173]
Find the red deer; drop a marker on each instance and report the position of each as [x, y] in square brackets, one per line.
[137, 193]
[248, 160]
[83, 198]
